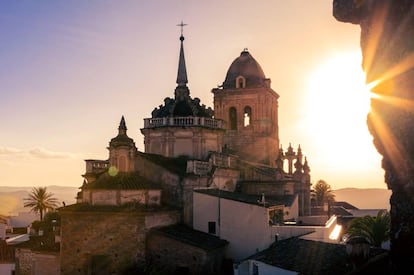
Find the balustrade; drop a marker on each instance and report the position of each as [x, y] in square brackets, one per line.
[182, 122]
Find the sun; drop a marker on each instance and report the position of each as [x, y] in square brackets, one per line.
[337, 105]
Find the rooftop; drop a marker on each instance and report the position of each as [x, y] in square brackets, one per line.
[122, 180]
[312, 257]
[175, 165]
[193, 237]
[270, 201]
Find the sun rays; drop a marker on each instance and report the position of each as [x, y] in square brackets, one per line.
[388, 65]
[337, 105]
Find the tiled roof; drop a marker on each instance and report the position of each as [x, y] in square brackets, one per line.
[176, 165]
[343, 204]
[131, 180]
[365, 212]
[286, 200]
[309, 257]
[340, 211]
[192, 237]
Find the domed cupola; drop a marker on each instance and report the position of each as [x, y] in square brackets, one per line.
[122, 150]
[244, 72]
[122, 139]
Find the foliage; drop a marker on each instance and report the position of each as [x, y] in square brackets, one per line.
[322, 192]
[45, 241]
[375, 229]
[40, 201]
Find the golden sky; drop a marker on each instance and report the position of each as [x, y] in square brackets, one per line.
[70, 69]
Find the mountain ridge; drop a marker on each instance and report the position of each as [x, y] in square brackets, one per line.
[11, 197]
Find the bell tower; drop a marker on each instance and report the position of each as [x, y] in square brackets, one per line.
[249, 108]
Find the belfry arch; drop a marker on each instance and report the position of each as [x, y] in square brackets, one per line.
[244, 95]
[247, 116]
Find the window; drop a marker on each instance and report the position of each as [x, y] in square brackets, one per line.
[240, 82]
[212, 228]
[255, 270]
[247, 116]
[233, 118]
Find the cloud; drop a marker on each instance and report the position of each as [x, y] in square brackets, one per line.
[37, 152]
[9, 151]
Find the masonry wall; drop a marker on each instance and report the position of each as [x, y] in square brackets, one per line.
[190, 141]
[176, 191]
[30, 262]
[171, 193]
[169, 256]
[268, 188]
[110, 242]
[119, 196]
[23, 261]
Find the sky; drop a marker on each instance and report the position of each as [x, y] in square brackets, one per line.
[69, 70]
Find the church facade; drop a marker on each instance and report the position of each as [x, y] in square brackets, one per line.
[234, 148]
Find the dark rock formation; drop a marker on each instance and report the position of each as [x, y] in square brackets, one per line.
[387, 44]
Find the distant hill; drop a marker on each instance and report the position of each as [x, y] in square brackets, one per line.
[11, 198]
[370, 198]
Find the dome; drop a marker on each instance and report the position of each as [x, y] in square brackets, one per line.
[246, 66]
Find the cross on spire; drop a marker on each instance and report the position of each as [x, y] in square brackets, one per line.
[182, 26]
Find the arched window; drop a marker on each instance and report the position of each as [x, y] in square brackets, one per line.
[240, 82]
[233, 118]
[247, 116]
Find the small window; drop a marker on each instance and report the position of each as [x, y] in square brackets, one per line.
[240, 82]
[233, 118]
[255, 270]
[212, 228]
[247, 116]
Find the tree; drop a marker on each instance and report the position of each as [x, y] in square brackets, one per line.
[40, 201]
[375, 229]
[322, 192]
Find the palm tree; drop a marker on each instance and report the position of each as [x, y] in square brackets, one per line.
[40, 201]
[375, 229]
[322, 192]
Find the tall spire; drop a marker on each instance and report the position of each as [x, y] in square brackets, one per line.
[122, 127]
[182, 71]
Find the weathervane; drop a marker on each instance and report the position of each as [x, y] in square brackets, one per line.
[182, 26]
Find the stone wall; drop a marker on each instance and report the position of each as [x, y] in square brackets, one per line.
[119, 197]
[268, 188]
[169, 256]
[195, 142]
[30, 262]
[176, 189]
[93, 242]
[170, 182]
[24, 259]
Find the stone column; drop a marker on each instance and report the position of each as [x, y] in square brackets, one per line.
[387, 44]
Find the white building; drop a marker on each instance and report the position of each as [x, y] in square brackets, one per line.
[252, 223]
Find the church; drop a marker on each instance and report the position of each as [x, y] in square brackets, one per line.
[201, 168]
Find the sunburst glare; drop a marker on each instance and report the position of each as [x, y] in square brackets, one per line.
[338, 103]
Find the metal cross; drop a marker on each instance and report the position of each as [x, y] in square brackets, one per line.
[182, 26]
